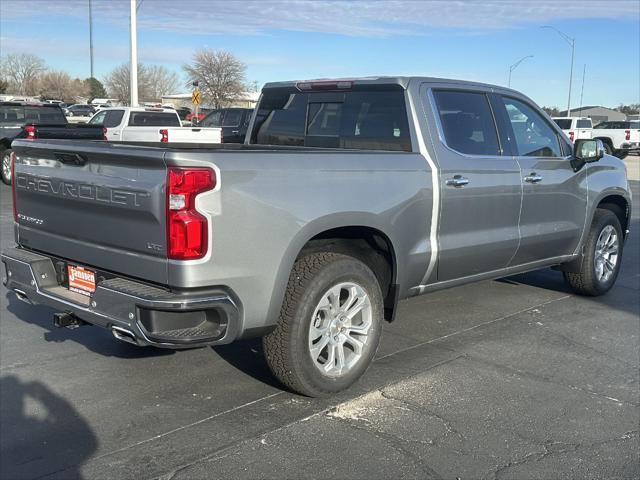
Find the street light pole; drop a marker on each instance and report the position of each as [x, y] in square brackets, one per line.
[133, 59]
[91, 37]
[514, 66]
[572, 44]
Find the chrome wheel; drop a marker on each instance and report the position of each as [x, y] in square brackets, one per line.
[606, 256]
[6, 167]
[339, 329]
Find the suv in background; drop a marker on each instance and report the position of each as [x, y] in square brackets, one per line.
[233, 121]
[575, 127]
[80, 110]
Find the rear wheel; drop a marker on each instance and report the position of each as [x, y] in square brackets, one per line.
[329, 327]
[6, 166]
[602, 256]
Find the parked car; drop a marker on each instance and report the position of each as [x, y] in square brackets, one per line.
[347, 196]
[35, 120]
[575, 127]
[191, 117]
[79, 110]
[233, 121]
[619, 137]
[140, 124]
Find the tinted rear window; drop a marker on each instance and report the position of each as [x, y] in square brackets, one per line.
[22, 115]
[153, 119]
[563, 123]
[362, 119]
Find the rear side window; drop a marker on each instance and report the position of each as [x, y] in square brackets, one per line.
[534, 136]
[563, 123]
[232, 118]
[114, 117]
[467, 122]
[153, 119]
[584, 124]
[361, 119]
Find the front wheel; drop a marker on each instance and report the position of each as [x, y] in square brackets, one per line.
[6, 166]
[602, 256]
[329, 326]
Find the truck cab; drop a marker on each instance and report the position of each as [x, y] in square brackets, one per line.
[575, 127]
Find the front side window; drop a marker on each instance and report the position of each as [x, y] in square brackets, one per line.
[533, 135]
[467, 122]
[98, 119]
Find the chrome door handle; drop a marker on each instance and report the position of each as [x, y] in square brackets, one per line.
[457, 181]
[235, 131]
[533, 178]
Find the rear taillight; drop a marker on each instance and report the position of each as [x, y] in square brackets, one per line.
[30, 130]
[325, 85]
[13, 185]
[627, 135]
[571, 135]
[164, 135]
[187, 229]
[104, 133]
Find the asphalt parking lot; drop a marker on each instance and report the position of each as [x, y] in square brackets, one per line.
[514, 378]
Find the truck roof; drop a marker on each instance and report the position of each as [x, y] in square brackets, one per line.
[142, 109]
[29, 104]
[402, 81]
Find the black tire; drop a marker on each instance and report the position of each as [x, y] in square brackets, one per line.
[287, 348]
[608, 148]
[5, 167]
[586, 281]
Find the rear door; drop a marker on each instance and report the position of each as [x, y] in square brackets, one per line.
[554, 197]
[98, 205]
[480, 186]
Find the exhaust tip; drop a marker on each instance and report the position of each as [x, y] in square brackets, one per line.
[124, 335]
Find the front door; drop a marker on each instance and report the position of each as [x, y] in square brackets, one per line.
[479, 187]
[554, 200]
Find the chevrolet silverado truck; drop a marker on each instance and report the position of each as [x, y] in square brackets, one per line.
[151, 125]
[346, 197]
[620, 138]
[36, 120]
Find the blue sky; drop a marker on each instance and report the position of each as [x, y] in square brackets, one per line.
[295, 39]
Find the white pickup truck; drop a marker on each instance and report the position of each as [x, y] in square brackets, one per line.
[575, 127]
[619, 137]
[144, 124]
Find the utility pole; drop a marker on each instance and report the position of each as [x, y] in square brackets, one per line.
[515, 65]
[584, 70]
[572, 44]
[91, 37]
[133, 59]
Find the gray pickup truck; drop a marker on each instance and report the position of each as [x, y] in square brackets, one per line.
[347, 196]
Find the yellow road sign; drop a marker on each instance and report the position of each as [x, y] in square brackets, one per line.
[195, 97]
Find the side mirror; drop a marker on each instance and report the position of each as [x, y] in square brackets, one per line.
[588, 150]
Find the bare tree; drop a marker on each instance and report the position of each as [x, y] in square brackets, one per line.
[59, 85]
[161, 81]
[117, 83]
[220, 74]
[23, 71]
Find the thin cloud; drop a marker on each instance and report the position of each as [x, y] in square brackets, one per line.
[357, 18]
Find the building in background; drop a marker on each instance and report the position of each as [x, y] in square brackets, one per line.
[597, 114]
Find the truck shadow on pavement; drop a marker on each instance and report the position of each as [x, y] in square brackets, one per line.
[248, 357]
[41, 432]
[96, 339]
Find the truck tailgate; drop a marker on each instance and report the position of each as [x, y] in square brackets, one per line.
[96, 204]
